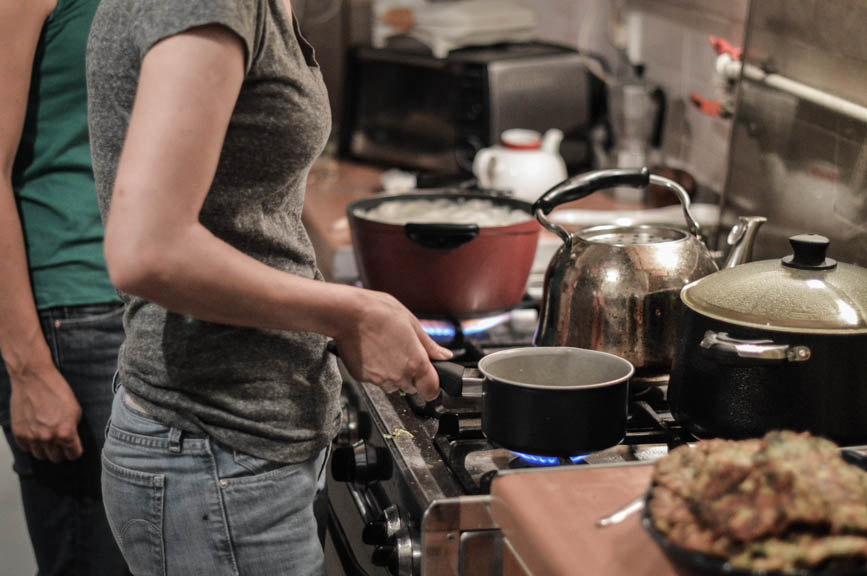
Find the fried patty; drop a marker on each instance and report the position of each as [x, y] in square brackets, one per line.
[784, 502]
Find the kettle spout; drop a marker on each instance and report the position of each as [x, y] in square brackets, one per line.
[742, 238]
[551, 141]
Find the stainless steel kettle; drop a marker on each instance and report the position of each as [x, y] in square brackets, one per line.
[616, 288]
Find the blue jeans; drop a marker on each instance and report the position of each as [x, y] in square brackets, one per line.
[180, 504]
[63, 502]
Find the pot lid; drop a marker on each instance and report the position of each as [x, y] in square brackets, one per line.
[802, 292]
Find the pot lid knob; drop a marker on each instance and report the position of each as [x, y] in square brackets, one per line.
[809, 253]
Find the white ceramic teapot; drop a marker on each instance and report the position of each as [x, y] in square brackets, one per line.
[525, 164]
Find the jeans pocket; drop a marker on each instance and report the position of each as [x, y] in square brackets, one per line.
[253, 466]
[83, 316]
[134, 508]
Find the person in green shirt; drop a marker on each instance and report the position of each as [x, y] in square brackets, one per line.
[60, 318]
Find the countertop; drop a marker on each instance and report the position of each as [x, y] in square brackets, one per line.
[548, 517]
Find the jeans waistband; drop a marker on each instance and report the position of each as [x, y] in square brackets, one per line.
[72, 312]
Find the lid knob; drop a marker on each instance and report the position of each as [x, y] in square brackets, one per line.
[809, 253]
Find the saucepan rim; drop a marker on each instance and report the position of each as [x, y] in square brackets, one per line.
[553, 351]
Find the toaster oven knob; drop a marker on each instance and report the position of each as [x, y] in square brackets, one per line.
[382, 529]
[360, 463]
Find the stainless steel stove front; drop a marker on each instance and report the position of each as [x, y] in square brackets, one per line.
[383, 476]
[395, 505]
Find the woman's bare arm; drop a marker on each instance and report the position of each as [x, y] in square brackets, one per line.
[157, 248]
[44, 411]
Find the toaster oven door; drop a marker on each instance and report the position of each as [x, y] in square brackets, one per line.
[400, 112]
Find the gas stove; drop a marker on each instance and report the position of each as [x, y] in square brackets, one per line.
[409, 481]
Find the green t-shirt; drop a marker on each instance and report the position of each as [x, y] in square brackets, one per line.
[52, 176]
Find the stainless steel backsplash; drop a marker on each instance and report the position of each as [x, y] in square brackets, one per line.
[800, 164]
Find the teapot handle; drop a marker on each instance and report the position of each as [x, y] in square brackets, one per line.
[583, 185]
[683, 196]
[482, 167]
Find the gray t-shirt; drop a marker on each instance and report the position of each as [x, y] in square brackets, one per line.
[272, 394]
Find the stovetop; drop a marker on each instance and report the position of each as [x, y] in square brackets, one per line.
[398, 458]
[409, 479]
[440, 448]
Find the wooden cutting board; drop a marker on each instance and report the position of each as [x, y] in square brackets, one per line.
[549, 516]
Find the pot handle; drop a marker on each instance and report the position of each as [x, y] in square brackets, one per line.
[441, 236]
[583, 185]
[451, 374]
[723, 347]
[451, 377]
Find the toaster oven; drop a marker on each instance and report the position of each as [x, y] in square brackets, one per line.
[406, 108]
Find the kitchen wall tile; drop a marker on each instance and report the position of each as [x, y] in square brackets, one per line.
[689, 11]
[811, 148]
[670, 80]
[851, 128]
[816, 115]
[794, 19]
[708, 145]
[747, 184]
[677, 56]
[557, 19]
[839, 26]
[851, 163]
[850, 202]
[662, 41]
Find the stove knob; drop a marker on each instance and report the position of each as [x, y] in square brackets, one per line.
[354, 425]
[360, 463]
[399, 557]
[385, 556]
[384, 528]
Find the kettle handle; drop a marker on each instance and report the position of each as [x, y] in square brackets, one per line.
[583, 185]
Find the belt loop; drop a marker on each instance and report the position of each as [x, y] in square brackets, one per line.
[175, 440]
[114, 383]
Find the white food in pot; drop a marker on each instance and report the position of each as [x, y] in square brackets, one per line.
[483, 213]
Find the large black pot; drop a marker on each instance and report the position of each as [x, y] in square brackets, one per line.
[775, 344]
[550, 401]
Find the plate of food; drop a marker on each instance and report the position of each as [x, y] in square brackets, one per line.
[787, 503]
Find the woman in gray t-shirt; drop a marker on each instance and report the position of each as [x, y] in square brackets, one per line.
[205, 116]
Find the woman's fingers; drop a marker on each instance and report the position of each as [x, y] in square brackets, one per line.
[428, 384]
[53, 452]
[433, 350]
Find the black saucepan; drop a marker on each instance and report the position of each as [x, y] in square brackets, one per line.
[549, 401]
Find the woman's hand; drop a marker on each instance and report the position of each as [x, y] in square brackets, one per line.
[45, 414]
[384, 344]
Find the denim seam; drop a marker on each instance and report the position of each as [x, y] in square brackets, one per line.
[224, 513]
[51, 339]
[283, 471]
[79, 321]
[162, 486]
[138, 478]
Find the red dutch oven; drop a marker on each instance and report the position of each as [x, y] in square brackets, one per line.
[445, 269]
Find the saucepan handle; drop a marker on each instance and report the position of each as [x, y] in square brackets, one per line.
[581, 186]
[451, 374]
[451, 377]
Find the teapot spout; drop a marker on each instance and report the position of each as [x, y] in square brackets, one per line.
[742, 238]
[551, 141]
